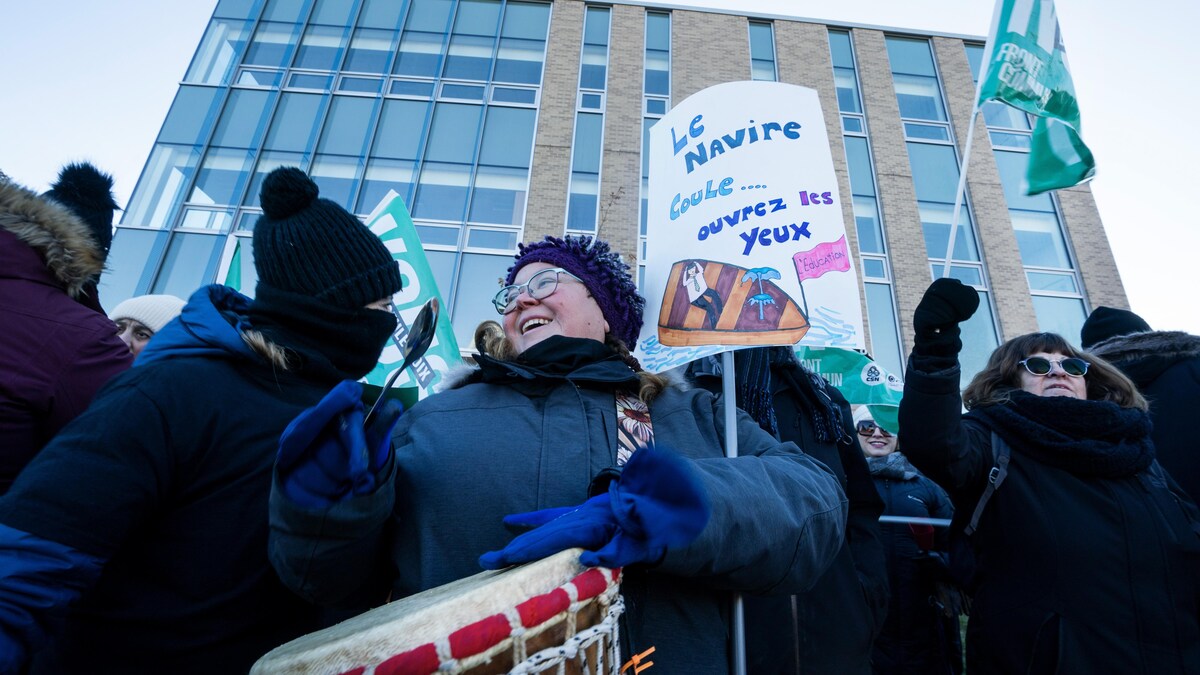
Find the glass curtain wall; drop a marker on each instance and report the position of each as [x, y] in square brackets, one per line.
[868, 221]
[583, 194]
[1054, 282]
[934, 161]
[433, 99]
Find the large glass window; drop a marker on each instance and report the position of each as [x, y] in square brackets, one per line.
[455, 133]
[915, 79]
[191, 115]
[218, 52]
[421, 45]
[297, 121]
[401, 128]
[522, 43]
[347, 126]
[658, 54]
[593, 69]
[167, 174]
[285, 10]
[881, 314]
[334, 12]
[442, 193]
[469, 56]
[383, 175]
[583, 201]
[370, 50]
[762, 51]
[336, 176]
[476, 286]
[272, 44]
[222, 176]
[131, 263]
[190, 261]
[381, 14]
[244, 120]
[321, 48]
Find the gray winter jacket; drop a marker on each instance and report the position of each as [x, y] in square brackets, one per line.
[515, 439]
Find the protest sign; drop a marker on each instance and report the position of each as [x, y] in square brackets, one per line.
[745, 244]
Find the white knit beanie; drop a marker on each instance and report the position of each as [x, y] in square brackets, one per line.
[862, 413]
[152, 311]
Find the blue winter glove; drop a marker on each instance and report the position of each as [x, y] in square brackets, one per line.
[325, 454]
[656, 503]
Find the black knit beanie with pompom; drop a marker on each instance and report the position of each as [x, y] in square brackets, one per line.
[312, 246]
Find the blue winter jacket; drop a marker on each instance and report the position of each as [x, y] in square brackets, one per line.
[515, 438]
[136, 541]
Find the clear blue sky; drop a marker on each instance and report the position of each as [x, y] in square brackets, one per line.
[90, 80]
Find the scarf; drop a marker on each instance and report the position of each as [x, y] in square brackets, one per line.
[1086, 438]
[559, 358]
[332, 342]
[892, 465]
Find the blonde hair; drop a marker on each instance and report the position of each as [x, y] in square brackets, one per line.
[274, 354]
[1002, 375]
[491, 340]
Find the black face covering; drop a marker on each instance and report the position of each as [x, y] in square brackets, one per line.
[333, 342]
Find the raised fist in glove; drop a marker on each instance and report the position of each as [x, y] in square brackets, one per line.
[325, 454]
[946, 303]
[656, 503]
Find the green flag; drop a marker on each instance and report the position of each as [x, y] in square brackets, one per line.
[1027, 69]
[233, 278]
[859, 379]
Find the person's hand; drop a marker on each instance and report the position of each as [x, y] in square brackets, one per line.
[946, 303]
[325, 454]
[657, 503]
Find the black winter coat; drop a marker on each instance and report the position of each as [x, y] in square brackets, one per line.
[914, 638]
[1166, 368]
[1076, 574]
[835, 623]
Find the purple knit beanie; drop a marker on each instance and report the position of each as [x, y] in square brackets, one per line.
[602, 272]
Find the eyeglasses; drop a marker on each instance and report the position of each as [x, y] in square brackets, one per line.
[541, 285]
[867, 428]
[1040, 366]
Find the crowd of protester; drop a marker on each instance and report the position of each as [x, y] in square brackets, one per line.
[189, 484]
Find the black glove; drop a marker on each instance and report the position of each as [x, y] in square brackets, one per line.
[946, 303]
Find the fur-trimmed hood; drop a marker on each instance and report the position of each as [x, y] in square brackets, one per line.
[1144, 356]
[64, 243]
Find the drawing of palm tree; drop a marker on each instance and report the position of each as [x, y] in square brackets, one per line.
[761, 299]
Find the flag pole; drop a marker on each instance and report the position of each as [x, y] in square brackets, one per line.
[728, 378]
[960, 193]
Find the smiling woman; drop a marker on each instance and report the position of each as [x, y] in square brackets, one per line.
[557, 417]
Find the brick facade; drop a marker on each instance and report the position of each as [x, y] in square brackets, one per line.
[803, 58]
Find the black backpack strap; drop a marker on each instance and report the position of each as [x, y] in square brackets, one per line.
[1000, 456]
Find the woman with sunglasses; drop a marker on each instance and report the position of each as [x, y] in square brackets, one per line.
[919, 635]
[558, 424]
[1087, 554]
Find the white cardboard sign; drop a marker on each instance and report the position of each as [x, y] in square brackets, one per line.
[745, 242]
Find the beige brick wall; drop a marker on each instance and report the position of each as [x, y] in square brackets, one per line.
[1093, 254]
[998, 243]
[551, 171]
[802, 57]
[621, 170]
[695, 64]
[893, 176]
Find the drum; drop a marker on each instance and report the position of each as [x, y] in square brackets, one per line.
[550, 616]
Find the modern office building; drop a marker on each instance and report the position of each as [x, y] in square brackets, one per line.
[501, 121]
